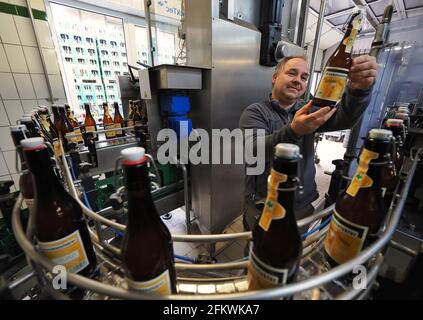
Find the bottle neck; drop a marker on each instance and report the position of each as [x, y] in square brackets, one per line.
[88, 112]
[287, 190]
[41, 167]
[141, 207]
[117, 113]
[376, 166]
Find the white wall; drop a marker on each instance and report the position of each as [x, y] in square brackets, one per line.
[22, 82]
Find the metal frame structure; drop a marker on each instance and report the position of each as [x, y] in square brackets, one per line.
[372, 257]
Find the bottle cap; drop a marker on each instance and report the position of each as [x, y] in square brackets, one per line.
[19, 127]
[380, 134]
[133, 155]
[32, 143]
[395, 122]
[287, 151]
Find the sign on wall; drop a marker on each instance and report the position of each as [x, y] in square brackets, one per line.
[168, 8]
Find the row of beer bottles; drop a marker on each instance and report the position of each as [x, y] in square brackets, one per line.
[359, 213]
[62, 234]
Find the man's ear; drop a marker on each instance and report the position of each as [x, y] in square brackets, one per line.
[275, 75]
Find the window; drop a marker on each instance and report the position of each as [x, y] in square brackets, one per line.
[80, 34]
[64, 37]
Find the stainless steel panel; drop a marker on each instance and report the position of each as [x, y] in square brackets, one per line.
[198, 21]
[171, 202]
[248, 11]
[106, 156]
[180, 77]
[235, 81]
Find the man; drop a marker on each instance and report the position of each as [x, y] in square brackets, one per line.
[286, 121]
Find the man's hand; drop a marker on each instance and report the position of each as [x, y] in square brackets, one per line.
[363, 72]
[305, 123]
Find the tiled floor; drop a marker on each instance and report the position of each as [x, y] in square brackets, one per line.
[230, 251]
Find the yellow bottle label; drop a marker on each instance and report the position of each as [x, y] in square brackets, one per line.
[273, 210]
[160, 285]
[79, 137]
[117, 126]
[361, 179]
[91, 129]
[332, 84]
[349, 42]
[263, 276]
[110, 134]
[344, 239]
[30, 204]
[57, 149]
[68, 251]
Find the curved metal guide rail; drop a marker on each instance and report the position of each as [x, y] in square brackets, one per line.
[316, 280]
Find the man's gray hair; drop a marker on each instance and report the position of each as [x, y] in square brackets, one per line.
[282, 63]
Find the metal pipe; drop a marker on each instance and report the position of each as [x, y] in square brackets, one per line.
[37, 40]
[147, 4]
[186, 197]
[316, 44]
[268, 294]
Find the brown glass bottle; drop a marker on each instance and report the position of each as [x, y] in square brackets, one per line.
[130, 121]
[335, 74]
[118, 121]
[147, 248]
[65, 128]
[28, 122]
[26, 187]
[108, 122]
[276, 246]
[396, 126]
[138, 120]
[90, 124]
[49, 130]
[359, 210]
[59, 225]
[56, 117]
[74, 123]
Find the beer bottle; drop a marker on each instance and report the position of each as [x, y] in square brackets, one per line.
[26, 187]
[74, 123]
[56, 117]
[130, 121]
[46, 126]
[405, 118]
[138, 120]
[335, 74]
[51, 131]
[147, 249]
[118, 121]
[276, 246]
[397, 128]
[59, 226]
[359, 211]
[108, 122]
[90, 125]
[27, 121]
[66, 127]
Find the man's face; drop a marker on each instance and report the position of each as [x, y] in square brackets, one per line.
[291, 81]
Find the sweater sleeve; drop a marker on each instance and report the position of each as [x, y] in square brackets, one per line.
[253, 118]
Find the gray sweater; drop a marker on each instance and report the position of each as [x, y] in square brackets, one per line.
[268, 115]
